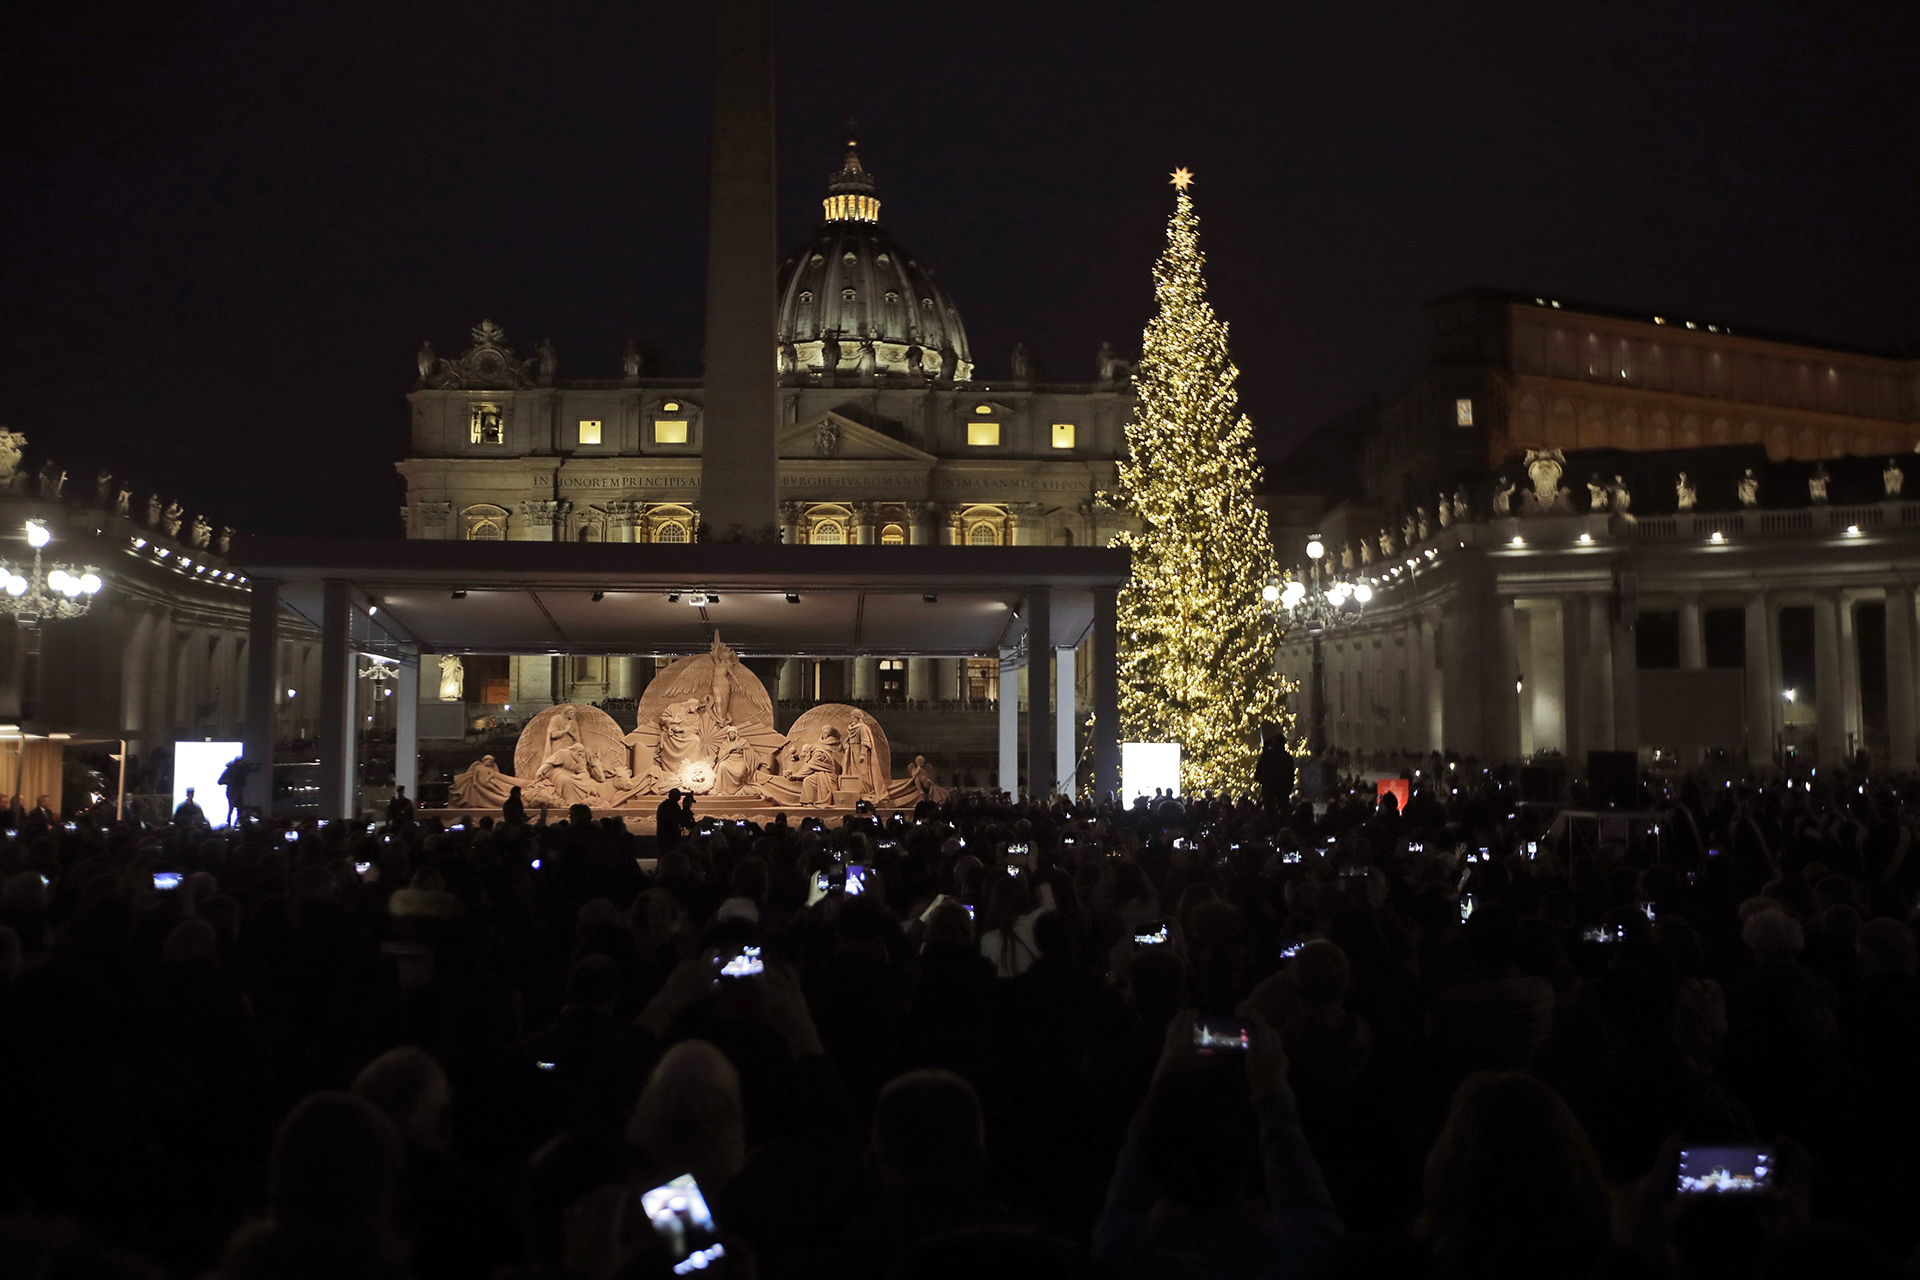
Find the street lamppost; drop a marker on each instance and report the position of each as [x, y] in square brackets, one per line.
[1323, 601]
[43, 595]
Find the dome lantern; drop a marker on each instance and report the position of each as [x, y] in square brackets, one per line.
[850, 195]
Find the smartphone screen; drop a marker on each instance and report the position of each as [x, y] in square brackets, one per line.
[1220, 1035]
[167, 881]
[1604, 933]
[1290, 947]
[1291, 856]
[744, 965]
[856, 880]
[1019, 850]
[820, 882]
[680, 1217]
[1012, 870]
[969, 907]
[364, 867]
[1153, 937]
[1466, 907]
[1719, 1170]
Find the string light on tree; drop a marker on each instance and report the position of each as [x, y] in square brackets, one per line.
[1197, 639]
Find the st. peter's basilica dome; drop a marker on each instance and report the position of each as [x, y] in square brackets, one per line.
[854, 300]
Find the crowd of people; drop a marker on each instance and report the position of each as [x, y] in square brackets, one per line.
[1197, 1036]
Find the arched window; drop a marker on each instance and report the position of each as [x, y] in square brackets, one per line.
[829, 533]
[893, 536]
[484, 531]
[671, 531]
[983, 535]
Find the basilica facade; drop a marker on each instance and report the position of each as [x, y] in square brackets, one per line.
[891, 435]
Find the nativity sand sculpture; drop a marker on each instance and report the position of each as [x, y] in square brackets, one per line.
[704, 726]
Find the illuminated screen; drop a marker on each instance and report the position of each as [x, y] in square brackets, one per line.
[199, 765]
[665, 432]
[983, 434]
[1149, 766]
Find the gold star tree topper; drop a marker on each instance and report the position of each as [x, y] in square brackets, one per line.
[1181, 178]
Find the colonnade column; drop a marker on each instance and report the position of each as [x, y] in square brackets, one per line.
[1066, 756]
[1009, 709]
[1040, 771]
[919, 679]
[1413, 736]
[789, 688]
[263, 683]
[1626, 678]
[1853, 730]
[866, 678]
[790, 523]
[1900, 708]
[920, 529]
[1106, 688]
[337, 679]
[1760, 694]
[1598, 668]
[1829, 694]
[1502, 733]
[406, 722]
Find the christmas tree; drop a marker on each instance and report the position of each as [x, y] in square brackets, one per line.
[1196, 645]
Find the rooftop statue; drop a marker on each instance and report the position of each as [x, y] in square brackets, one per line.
[1547, 496]
[1749, 489]
[1684, 495]
[1893, 478]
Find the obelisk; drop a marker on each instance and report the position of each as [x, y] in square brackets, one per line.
[739, 465]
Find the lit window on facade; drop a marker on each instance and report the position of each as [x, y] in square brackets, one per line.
[486, 426]
[1063, 435]
[983, 535]
[848, 295]
[1463, 412]
[669, 431]
[893, 536]
[983, 434]
[671, 531]
[589, 431]
[483, 531]
[829, 533]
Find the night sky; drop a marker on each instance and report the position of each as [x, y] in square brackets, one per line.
[227, 227]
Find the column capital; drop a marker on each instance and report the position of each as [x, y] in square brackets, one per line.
[545, 510]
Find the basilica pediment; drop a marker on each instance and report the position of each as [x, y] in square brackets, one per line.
[830, 435]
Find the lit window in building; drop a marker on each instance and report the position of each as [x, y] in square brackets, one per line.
[1063, 435]
[669, 431]
[983, 535]
[671, 406]
[893, 679]
[671, 531]
[893, 536]
[829, 533]
[1463, 412]
[486, 425]
[983, 434]
[484, 531]
[589, 431]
